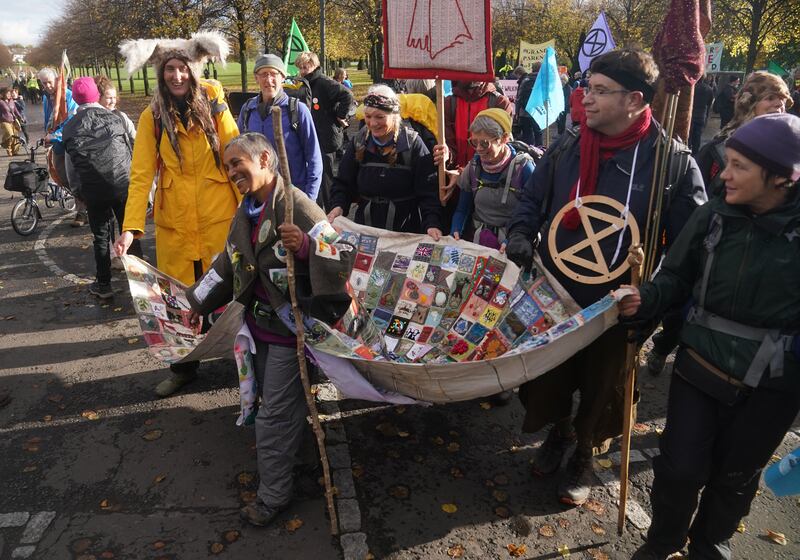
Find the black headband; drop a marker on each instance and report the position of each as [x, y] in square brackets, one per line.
[377, 101]
[629, 81]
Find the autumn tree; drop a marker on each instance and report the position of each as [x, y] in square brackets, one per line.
[756, 27]
[5, 56]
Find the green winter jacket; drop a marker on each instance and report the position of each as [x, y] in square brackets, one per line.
[754, 280]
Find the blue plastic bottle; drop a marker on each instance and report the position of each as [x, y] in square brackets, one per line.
[783, 478]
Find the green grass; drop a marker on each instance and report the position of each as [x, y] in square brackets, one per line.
[229, 76]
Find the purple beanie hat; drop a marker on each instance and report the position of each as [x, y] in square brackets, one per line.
[772, 141]
[84, 90]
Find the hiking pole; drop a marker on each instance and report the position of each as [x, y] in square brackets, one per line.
[635, 259]
[288, 197]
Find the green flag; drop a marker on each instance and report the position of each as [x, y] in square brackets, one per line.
[295, 44]
[775, 68]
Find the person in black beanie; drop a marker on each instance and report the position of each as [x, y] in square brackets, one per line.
[735, 389]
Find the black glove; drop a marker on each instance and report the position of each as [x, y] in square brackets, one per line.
[520, 251]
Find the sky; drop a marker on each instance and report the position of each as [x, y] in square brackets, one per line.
[24, 21]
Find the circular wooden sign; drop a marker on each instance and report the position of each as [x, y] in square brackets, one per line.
[575, 267]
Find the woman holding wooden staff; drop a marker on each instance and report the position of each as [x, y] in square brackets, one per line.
[736, 384]
[252, 270]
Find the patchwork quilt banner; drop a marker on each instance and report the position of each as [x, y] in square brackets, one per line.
[436, 322]
[445, 39]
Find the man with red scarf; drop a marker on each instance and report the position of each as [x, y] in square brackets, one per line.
[589, 197]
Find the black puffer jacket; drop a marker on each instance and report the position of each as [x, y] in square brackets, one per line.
[330, 101]
[100, 151]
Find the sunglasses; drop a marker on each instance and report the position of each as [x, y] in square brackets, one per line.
[482, 144]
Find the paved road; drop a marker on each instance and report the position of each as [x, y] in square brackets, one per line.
[95, 467]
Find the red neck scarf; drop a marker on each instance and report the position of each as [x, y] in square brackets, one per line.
[597, 147]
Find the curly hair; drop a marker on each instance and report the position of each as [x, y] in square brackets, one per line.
[756, 87]
[103, 84]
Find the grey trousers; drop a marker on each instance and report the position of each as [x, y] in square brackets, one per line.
[280, 422]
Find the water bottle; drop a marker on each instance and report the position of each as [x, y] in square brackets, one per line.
[783, 478]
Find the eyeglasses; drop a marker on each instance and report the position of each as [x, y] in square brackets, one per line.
[589, 90]
[482, 144]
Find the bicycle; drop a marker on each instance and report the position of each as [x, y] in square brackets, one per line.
[31, 179]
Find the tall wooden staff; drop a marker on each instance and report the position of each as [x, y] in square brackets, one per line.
[679, 50]
[277, 128]
[444, 194]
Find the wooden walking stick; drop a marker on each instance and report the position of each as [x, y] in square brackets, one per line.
[277, 128]
[444, 194]
[636, 260]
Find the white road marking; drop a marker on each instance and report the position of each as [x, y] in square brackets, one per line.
[41, 252]
[36, 527]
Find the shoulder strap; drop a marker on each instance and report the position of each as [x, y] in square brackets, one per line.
[710, 242]
[573, 134]
[294, 117]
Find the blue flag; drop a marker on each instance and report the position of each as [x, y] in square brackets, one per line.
[547, 98]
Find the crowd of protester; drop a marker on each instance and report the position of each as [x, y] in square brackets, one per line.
[736, 383]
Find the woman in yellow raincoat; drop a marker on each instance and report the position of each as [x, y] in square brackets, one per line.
[179, 141]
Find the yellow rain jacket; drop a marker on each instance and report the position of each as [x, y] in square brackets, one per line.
[194, 203]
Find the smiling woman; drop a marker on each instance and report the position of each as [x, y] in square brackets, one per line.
[737, 385]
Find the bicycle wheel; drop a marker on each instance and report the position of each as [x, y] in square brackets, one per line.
[25, 216]
[51, 195]
[67, 199]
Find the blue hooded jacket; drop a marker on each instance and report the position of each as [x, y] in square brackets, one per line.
[55, 136]
[302, 147]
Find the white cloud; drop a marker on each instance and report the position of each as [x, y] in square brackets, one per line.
[25, 22]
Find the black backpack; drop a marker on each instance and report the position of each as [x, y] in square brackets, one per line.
[100, 151]
[294, 114]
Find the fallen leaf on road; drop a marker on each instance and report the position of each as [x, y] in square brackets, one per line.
[775, 458]
[516, 550]
[437, 440]
[9, 318]
[133, 340]
[48, 418]
[152, 435]
[358, 471]
[659, 431]
[107, 554]
[605, 463]
[403, 434]
[502, 512]
[90, 415]
[598, 530]
[117, 309]
[81, 545]
[30, 448]
[30, 468]
[449, 508]
[159, 479]
[149, 422]
[455, 472]
[158, 545]
[217, 547]
[777, 538]
[400, 409]
[486, 405]
[105, 504]
[34, 440]
[597, 554]
[563, 522]
[232, 536]
[399, 491]
[387, 429]
[293, 525]
[500, 479]
[453, 446]
[741, 528]
[55, 398]
[641, 428]
[563, 550]
[547, 531]
[500, 496]
[104, 306]
[515, 449]
[456, 551]
[245, 478]
[595, 507]
[247, 497]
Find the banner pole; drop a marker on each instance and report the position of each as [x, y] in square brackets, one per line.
[444, 195]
